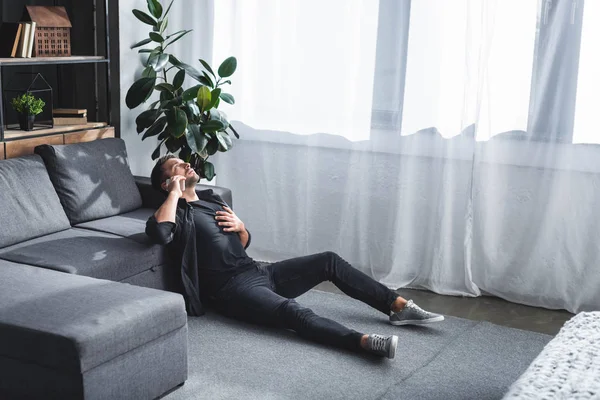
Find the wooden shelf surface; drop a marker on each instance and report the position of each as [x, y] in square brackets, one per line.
[15, 134]
[52, 60]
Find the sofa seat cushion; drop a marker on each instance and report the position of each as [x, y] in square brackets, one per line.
[92, 179]
[29, 204]
[75, 323]
[90, 253]
[131, 225]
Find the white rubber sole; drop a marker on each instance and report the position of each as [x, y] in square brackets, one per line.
[392, 353]
[418, 321]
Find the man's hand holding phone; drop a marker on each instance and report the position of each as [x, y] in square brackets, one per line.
[176, 185]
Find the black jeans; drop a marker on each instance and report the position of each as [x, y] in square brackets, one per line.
[265, 295]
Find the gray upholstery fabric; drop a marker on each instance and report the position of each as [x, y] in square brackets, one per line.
[30, 206]
[143, 373]
[90, 253]
[163, 277]
[92, 179]
[75, 323]
[131, 225]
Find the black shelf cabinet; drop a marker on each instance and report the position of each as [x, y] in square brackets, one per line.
[89, 79]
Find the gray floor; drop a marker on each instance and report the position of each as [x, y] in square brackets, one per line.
[485, 308]
[453, 360]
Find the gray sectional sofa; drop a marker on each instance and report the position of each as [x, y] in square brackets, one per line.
[80, 313]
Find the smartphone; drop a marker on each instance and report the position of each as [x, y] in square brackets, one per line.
[181, 183]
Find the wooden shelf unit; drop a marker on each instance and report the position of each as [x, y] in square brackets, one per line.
[79, 81]
[16, 134]
[53, 60]
[22, 147]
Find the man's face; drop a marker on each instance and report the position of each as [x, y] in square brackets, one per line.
[176, 166]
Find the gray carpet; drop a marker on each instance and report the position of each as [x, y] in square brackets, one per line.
[454, 359]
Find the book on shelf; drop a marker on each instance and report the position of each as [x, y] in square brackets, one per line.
[24, 41]
[69, 116]
[31, 41]
[63, 121]
[70, 112]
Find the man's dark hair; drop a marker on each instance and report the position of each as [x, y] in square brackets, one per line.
[156, 177]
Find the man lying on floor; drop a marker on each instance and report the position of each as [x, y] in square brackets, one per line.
[210, 240]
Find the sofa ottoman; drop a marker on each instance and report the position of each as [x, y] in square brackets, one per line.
[74, 337]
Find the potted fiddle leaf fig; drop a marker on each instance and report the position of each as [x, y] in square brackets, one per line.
[27, 107]
[186, 118]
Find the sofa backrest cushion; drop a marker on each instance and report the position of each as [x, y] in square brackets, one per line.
[29, 205]
[92, 179]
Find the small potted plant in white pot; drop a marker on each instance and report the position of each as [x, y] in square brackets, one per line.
[27, 106]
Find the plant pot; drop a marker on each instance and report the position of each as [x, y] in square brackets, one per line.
[26, 122]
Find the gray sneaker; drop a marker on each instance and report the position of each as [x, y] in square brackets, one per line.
[382, 345]
[412, 314]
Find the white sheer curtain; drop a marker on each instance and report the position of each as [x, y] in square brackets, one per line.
[305, 66]
[470, 181]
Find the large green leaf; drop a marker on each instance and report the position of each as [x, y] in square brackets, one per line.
[227, 67]
[141, 43]
[192, 111]
[177, 122]
[161, 62]
[185, 153]
[153, 58]
[154, 104]
[173, 34]
[163, 25]
[155, 8]
[225, 142]
[173, 144]
[227, 98]
[207, 66]
[212, 146]
[164, 97]
[157, 37]
[208, 170]
[148, 72]
[212, 85]
[174, 102]
[207, 82]
[214, 95]
[145, 18]
[204, 98]
[165, 86]
[219, 116]
[156, 128]
[191, 71]
[212, 126]
[176, 38]
[145, 119]
[179, 78]
[139, 92]
[156, 152]
[191, 93]
[195, 138]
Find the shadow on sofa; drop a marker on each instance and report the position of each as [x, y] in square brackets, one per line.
[73, 219]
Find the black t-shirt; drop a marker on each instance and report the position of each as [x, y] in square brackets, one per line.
[220, 254]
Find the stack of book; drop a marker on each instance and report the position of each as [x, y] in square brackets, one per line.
[69, 116]
[17, 39]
